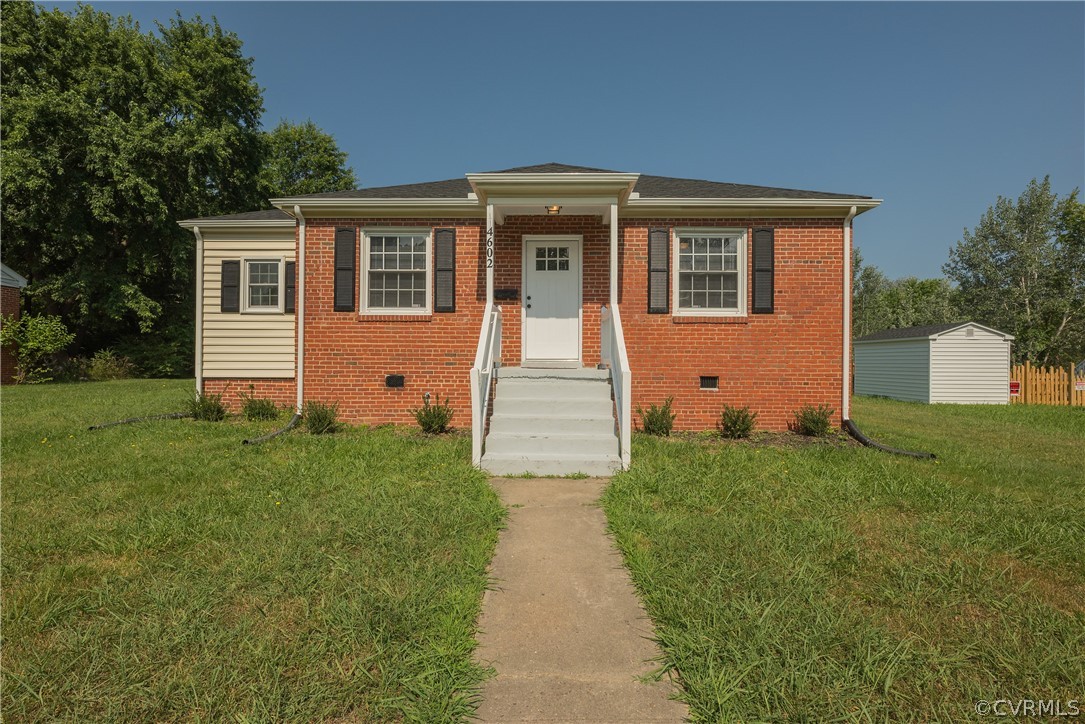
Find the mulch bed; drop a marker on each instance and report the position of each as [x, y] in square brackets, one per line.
[788, 439]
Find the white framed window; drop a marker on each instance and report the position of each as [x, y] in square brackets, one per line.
[709, 272]
[396, 271]
[262, 285]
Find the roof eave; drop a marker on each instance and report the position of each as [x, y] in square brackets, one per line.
[235, 223]
[861, 204]
[984, 327]
[345, 206]
[936, 335]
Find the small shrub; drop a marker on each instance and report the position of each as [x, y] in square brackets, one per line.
[737, 422]
[433, 419]
[814, 421]
[657, 420]
[257, 408]
[108, 365]
[206, 407]
[321, 419]
[34, 340]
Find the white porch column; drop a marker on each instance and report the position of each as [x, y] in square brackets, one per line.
[491, 241]
[613, 255]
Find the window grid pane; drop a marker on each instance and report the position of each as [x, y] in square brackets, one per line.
[708, 272]
[398, 265]
[552, 258]
[263, 284]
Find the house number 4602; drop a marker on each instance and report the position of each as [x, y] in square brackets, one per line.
[489, 247]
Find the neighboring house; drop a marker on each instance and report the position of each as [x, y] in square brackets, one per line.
[702, 291]
[11, 285]
[961, 362]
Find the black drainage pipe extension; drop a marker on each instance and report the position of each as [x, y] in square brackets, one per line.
[858, 435]
[264, 438]
[129, 420]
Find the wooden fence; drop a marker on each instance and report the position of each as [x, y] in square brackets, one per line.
[1046, 385]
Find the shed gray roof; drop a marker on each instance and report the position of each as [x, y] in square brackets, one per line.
[921, 332]
[11, 278]
[647, 186]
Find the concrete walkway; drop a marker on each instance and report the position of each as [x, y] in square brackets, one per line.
[563, 626]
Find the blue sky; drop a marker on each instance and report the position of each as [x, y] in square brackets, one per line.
[935, 107]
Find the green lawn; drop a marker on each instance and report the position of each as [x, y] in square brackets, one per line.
[161, 571]
[834, 582]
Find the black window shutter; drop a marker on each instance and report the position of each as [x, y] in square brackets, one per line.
[290, 287]
[346, 246]
[659, 270]
[764, 270]
[444, 270]
[231, 286]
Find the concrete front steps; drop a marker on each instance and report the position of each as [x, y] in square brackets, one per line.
[552, 422]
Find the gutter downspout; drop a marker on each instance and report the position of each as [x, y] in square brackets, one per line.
[199, 309]
[299, 305]
[845, 405]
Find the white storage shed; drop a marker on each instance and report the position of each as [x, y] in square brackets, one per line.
[962, 362]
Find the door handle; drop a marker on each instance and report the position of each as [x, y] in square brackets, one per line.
[529, 297]
[529, 306]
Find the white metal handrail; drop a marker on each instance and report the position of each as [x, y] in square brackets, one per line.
[482, 373]
[612, 349]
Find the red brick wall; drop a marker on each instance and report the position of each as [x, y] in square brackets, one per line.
[9, 305]
[347, 356]
[283, 392]
[773, 363]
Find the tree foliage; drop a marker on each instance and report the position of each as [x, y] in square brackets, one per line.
[1022, 270]
[110, 135]
[34, 341]
[302, 159]
[882, 303]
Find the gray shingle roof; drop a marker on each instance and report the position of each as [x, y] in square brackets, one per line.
[262, 215]
[911, 332]
[453, 188]
[654, 187]
[11, 278]
[647, 187]
[554, 168]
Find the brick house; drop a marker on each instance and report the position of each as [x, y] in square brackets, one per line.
[11, 286]
[547, 302]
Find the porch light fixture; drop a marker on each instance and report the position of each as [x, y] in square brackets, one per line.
[553, 210]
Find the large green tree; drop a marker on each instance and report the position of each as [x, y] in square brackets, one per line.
[109, 136]
[302, 159]
[882, 303]
[1022, 270]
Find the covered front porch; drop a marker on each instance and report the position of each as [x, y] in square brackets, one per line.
[552, 267]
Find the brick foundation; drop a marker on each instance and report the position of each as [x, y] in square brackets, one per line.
[9, 306]
[283, 392]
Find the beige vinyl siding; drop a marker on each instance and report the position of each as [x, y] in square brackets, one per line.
[972, 370]
[238, 344]
[893, 368]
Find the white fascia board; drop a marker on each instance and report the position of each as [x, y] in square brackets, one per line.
[237, 223]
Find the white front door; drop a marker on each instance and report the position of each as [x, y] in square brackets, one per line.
[551, 301]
